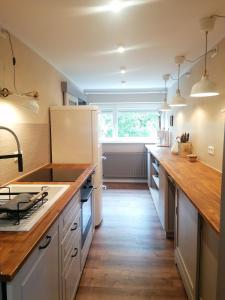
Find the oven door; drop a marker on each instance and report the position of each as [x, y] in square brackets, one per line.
[86, 213]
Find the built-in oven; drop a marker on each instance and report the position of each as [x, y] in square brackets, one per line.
[86, 209]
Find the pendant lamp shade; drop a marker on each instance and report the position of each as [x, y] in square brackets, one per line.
[178, 100]
[204, 88]
[165, 107]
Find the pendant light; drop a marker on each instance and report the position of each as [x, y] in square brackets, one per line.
[205, 87]
[178, 100]
[165, 107]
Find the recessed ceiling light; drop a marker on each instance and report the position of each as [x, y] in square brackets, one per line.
[121, 49]
[123, 70]
[116, 6]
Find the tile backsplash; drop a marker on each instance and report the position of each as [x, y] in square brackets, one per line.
[35, 143]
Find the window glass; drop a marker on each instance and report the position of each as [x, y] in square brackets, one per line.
[137, 124]
[106, 124]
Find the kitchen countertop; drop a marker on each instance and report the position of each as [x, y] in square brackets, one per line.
[15, 247]
[198, 181]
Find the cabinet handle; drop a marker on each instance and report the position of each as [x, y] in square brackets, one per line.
[48, 241]
[74, 228]
[75, 254]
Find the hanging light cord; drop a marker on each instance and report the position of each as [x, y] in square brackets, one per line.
[178, 76]
[5, 92]
[13, 60]
[206, 51]
[165, 91]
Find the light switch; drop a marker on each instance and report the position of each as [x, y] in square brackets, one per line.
[211, 150]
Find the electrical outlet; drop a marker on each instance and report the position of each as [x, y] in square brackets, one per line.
[211, 150]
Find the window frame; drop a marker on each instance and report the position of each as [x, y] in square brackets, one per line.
[116, 109]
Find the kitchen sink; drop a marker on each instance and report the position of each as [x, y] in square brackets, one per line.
[22, 205]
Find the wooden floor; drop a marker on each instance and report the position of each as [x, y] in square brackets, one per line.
[129, 257]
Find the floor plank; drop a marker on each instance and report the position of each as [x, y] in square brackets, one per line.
[130, 257]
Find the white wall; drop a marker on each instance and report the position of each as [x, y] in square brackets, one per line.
[203, 117]
[33, 73]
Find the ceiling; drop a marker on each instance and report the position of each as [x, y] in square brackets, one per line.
[80, 37]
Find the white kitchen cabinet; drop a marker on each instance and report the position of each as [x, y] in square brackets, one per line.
[39, 276]
[72, 272]
[158, 185]
[208, 262]
[53, 270]
[187, 243]
[70, 248]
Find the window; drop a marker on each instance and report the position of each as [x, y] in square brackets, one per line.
[137, 124]
[106, 124]
[122, 124]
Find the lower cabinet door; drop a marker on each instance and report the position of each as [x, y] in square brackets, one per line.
[187, 243]
[71, 274]
[39, 277]
[208, 262]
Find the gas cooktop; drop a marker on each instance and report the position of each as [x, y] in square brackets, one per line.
[53, 174]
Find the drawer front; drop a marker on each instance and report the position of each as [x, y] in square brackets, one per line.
[71, 274]
[39, 276]
[73, 234]
[69, 214]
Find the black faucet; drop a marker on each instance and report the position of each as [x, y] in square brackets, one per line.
[18, 155]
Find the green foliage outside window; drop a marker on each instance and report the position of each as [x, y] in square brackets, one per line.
[129, 124]
[106, 124]
[137, 124]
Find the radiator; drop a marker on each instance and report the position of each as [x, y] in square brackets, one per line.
[125, 165]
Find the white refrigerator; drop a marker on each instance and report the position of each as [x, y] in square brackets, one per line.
[75, 139]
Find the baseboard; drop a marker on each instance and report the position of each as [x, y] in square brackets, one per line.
[126, 185]
[125, 180]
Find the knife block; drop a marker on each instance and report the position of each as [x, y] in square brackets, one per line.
[184, 149]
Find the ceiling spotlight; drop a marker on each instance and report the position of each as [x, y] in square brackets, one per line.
[121, 49]
[116, 6]
[123, 70]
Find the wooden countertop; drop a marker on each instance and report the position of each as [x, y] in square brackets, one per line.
[15, 247]
[199, 182]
